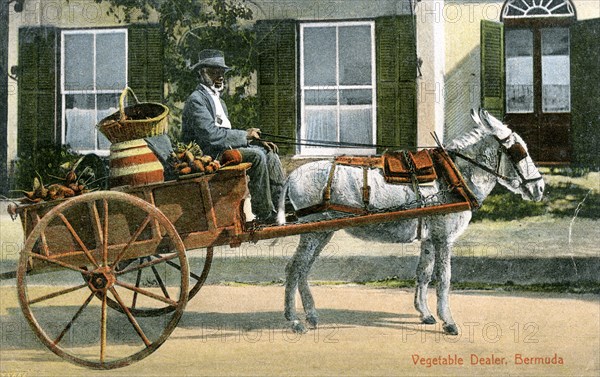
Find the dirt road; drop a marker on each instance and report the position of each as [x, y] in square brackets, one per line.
[233, 331]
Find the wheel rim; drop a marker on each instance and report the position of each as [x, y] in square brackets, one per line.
[91, 235]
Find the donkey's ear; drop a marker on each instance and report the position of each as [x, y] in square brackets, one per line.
[498, 128]
[484, 115]
[476, 118]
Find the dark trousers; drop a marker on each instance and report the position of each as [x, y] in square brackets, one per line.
[266, 180]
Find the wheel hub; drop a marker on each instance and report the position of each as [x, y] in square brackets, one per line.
[102, 279]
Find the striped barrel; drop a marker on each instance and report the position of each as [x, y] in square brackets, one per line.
[132, 163]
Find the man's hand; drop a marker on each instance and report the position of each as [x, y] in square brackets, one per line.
[269, 146]
[253, 134]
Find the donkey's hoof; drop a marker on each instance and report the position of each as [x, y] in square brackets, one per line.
[298, 327]
[451, 329]
[312, 320]
[429, 320]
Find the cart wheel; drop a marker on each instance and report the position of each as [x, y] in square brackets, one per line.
[91, 235]
[143, 276]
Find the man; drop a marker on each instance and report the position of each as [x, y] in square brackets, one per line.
[205, 121]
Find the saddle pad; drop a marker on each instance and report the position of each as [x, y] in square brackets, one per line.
[397, 169]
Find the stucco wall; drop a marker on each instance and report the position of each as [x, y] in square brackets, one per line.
[327, 9]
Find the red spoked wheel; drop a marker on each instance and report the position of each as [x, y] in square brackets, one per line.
[97, 235]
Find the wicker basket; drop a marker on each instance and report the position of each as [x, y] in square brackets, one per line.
[135, 122]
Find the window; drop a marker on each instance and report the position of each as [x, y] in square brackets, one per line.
[94, 72]
[337, 86]
[519, 70]
[556, 73]
[537, 8]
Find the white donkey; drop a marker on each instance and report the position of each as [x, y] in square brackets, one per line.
[490, 153]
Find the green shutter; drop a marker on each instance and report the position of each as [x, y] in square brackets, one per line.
[585, 92]
[277, 83]
[396, 58]
[492, 67]
[37, 88]
[145, 62]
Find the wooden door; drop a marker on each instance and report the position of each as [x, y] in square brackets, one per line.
[538, 103]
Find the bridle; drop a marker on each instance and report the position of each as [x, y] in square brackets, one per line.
[515, 154]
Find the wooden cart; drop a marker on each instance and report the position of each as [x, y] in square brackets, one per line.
[126, 250]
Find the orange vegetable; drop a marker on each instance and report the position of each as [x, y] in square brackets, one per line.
[197, 166]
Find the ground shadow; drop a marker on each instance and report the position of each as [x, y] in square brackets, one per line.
[16, 332]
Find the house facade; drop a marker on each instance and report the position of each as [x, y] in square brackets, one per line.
[353, 72]
[532, 63]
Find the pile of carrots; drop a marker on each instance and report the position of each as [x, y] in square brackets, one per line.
[40, 192]
[189, 159]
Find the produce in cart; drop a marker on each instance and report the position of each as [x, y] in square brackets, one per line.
[71, 185]
[189, 159]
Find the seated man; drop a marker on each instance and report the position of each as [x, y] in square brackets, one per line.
[205, 121]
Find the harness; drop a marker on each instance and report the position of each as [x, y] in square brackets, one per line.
[441, 165]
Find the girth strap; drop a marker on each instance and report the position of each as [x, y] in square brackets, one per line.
[326, 205]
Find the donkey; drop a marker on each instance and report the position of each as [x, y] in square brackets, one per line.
[490, 153]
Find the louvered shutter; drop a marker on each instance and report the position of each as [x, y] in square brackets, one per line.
[585, 92]
[492, 67]
[37, 89]
[277, 83]
[145, 62]
[396, 58]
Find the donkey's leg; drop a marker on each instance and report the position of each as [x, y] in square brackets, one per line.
[443, 273]
[297, 271]
[312, 317]
[424, 273]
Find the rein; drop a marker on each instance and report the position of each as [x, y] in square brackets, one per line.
[331, 144]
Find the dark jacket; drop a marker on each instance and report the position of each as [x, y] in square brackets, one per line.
[198, 124]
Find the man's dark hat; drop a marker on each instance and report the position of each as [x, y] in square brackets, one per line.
[211, 58]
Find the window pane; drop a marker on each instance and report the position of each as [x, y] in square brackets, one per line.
[319, 56]
[321, 125]
[320, 97]
[110, 61]
[556, 83]
[356, 126]
[519, 71]
[356, 97]
[80, 122]
[107, 105]
[79, 62]
[355, 55]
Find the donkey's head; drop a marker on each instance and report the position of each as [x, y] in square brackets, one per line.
[516, 170]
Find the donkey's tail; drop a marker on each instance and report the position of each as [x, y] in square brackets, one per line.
[281, 204]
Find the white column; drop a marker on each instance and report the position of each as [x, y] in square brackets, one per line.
[430, 87]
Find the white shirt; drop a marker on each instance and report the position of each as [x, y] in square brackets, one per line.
[221, 119]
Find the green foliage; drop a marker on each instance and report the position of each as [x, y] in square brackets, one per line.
[561, 199]
[580, 287]
[190, 26]
[504, 205]
[565, 198]
[44, 163]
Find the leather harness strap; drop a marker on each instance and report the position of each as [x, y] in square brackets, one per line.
[326, 204]
[366, 190]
